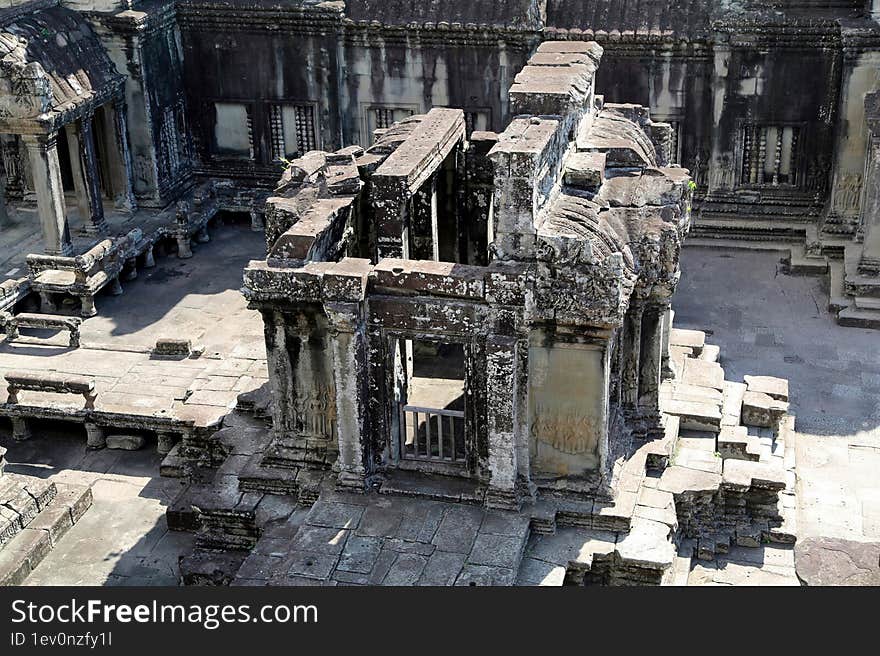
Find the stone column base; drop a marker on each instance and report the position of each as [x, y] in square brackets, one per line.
[350, 481]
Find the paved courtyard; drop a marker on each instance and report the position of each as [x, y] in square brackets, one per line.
[123, 538]
[769, 323]
[764, 321]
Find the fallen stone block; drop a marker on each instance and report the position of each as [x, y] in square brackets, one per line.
[762, 410]
[694, 415]
[702, 373]
[680, 480]
[736, 443]
[776, 388]
[647, 545]
[693, 339]
[743, 475]
[173, 347]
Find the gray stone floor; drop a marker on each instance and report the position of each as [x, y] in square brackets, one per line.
[197, 299]
[769, 323]
[765, 323]
[123, 539]
[355, 539]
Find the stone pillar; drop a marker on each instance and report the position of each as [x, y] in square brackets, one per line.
[280, 370]
[20, 429]
[95, 437]
[666, 371]
[43, 155]
[870, 220]
[501, 419]
[118, 154]
[257, 223]
[347, 343]
[860, 75]
[4, 212]
[391, 233]
[650, 358]
[86, 177]
[632, 343]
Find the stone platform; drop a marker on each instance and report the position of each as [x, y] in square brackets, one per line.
[684, 502]
[141, 390]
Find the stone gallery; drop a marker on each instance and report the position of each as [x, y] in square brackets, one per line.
[374, 292]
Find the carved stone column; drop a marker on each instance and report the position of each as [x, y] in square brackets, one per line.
[118, 153]
[666, 371]
[501, 419]
[632, 342]
[280, 373]
[347, 344]
[86, 177]
[651, 356]
[43, 154]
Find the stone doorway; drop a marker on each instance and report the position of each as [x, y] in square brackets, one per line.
[429, 395]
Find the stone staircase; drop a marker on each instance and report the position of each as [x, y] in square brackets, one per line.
[34, 515]
[733, 482]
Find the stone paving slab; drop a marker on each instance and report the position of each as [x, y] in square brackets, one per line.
[387, 540]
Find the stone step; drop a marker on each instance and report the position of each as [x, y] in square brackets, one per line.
[731, 409]
[711, 353]
[802, 263]
[694, 415]
[867, 303]
[735, 442]
[702, 373]
[838, 299]
[852, 317]
[692, 339]
[21, 555]
[172, 465]
[658, 452]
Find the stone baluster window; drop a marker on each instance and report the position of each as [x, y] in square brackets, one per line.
[770, 155]
[382, 118]
[292, 129]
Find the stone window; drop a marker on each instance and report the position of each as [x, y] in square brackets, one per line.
[292, 129]
[233, 131]
[476, 120]
[770, 155]
[381, 118]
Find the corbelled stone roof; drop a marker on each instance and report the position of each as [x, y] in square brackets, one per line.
[58, 46]
[639, 16]
[520, 13]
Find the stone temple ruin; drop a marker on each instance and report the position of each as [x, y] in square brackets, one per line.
[458, 362]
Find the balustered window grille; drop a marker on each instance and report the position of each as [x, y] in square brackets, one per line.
[382, 118]
[292, 130]
[770, 155]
